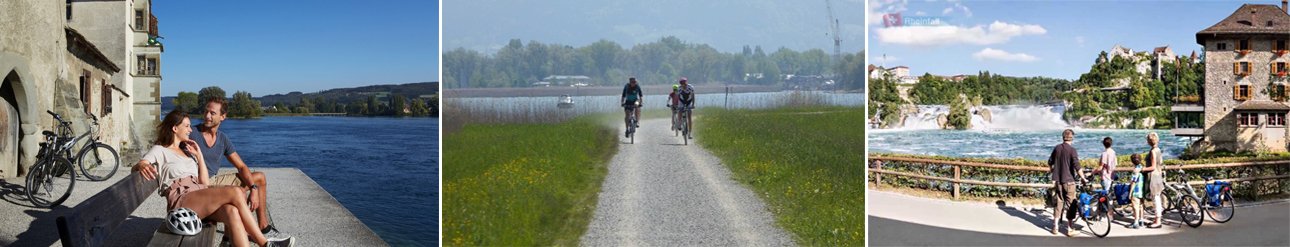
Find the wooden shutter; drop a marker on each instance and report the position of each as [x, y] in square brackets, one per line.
[1236, 68]
[1236, 92]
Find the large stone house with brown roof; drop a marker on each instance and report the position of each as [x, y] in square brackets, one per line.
[1244, 104]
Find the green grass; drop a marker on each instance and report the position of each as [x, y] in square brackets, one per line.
[808, 167]
[523, 184]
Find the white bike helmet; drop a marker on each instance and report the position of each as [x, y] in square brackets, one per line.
[184, 221]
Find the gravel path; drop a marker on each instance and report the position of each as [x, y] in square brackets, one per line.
[662, 193]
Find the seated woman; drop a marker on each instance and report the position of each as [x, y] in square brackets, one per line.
[183, 180]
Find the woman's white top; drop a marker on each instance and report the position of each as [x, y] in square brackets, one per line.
[170, 166]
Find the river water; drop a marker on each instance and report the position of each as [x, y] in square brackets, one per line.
[1014, 131]
[384, 170]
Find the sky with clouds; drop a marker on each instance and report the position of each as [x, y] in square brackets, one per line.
[1030, 38]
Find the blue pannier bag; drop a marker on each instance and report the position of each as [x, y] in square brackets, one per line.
[1087, 200]
[1215, 192]
[1121, 193]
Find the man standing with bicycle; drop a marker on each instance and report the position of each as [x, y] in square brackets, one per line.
[215, 145]
[1063, 164]
[686, 95]
[632, 94]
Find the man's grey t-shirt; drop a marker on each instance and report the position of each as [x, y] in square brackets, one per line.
[215, 155]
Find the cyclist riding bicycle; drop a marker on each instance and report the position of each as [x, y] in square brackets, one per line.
[685, 96]
[674, 101]
[632, 94]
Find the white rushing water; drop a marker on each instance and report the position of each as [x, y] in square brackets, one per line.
[1004, 117]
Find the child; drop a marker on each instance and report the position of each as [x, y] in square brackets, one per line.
[1135, 185]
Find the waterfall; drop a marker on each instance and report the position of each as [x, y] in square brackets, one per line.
[1003, 117]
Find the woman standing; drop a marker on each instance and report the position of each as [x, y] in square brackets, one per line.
[1157, 177]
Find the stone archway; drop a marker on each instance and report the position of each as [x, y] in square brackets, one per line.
[19, 125]
[9, 123]
[9, 131]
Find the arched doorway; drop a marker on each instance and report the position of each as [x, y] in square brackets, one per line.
[19, 136]
[10, 124]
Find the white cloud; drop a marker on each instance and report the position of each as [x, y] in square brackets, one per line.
[947, 11]
[996, 33]
[1079, 40]
[1001, 55]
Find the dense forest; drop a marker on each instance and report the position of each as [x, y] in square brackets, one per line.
[661, 62]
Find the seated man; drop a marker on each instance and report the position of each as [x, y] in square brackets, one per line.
[214, 146]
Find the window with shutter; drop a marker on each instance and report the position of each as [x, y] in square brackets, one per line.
[85, 90]
[1236, 94]
[106, 99]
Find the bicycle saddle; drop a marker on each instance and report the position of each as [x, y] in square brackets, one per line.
[48, 133]
[1208, 177]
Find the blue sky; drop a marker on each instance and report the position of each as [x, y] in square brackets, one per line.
[268, 47]
[1028, 38]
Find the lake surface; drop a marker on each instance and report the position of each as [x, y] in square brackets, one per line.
[1029, 144]
[384, 170]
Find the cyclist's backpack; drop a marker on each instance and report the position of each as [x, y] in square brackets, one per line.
[1122, 193]
[1215, 192]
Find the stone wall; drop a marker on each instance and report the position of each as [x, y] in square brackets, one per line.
[32, 49]
[109, 25]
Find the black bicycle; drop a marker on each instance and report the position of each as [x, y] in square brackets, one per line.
[630, 107]
[1094, 206]
[684, 119]
[51, 179]
[1181, 198]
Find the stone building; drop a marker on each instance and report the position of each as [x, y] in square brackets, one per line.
[1244, 103]
[75, 58]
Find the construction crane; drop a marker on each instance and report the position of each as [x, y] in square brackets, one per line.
[834, 29]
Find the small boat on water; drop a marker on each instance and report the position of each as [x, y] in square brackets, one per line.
[566, 102]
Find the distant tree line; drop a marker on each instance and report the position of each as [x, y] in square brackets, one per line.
[992, 89]
[660, 62]
[243, 105]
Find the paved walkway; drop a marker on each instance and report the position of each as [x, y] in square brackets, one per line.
[899, 219]
[299, 206]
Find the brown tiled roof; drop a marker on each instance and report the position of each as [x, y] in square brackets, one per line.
[1250, 19]
[1161, 49]
[1262, 105]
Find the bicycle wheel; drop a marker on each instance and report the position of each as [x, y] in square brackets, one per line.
[1099, 221]
[1190, 210]
[50, 182]
[1225, 210]
[98, 162]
